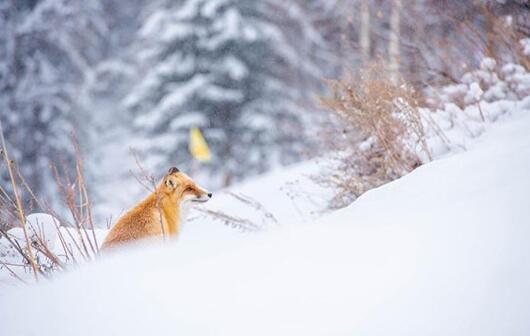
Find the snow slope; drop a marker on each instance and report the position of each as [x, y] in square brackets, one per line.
[291, 196]
[442, 251]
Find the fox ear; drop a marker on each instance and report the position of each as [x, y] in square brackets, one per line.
[173, 170]
[170, 183]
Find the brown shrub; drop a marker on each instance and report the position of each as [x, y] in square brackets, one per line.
[378, 134]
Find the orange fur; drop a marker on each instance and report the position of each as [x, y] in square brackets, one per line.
[159, 213]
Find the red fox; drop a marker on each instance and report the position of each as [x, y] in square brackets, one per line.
[161, 213]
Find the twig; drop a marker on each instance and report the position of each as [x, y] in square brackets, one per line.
[151, 180]
[48, 209]
[42, 247]
[20, 210]
[83, 194]
[17, 247]
[243, 224]
[255, 204]
[13, 273]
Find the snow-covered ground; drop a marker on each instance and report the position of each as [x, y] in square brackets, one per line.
[442, 251]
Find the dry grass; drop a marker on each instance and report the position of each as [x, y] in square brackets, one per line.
[484, 34]
[501, 40]
[239, 223]
[379, 134]
[17, 206]
[74, 237]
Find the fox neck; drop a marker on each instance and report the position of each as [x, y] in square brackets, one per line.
[173, 215]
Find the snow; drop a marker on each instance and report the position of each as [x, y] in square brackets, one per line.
[488, 64]
[234, 67]
[40, 228]
[468, 108]
[211, 7]
[290, 195]
[441, 251]
[43, 226]
[461, 127]
[474, 93]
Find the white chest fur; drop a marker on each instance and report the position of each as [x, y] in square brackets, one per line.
[183, 213]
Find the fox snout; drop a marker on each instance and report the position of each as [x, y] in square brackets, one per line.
[203, 198]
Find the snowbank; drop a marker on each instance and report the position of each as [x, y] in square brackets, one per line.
[65, 243]
[466, 109]
[288, 196]
[442, 251]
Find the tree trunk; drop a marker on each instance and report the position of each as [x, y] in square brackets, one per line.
[364, 32]
[393, 44]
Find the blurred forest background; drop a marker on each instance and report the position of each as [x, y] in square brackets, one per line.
[138, 74]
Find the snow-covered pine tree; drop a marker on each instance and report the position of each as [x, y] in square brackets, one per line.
[307, 29]
[107, 156]
[46, 48]
[216, 65]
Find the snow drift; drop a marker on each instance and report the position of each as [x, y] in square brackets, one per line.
[442, 251]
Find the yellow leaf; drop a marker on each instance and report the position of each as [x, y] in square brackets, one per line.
[198, 146]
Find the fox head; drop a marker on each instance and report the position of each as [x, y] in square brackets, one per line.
[180, 188]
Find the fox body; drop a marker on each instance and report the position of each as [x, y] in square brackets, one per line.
[161, 213]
